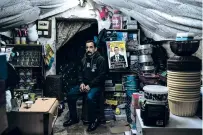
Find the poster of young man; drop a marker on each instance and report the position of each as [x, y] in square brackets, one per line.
[117, 57]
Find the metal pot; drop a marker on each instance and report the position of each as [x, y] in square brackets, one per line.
[147, 68]
[133, 57]
[147, 46]
[145, 49]
[146, 64]
[145, 58]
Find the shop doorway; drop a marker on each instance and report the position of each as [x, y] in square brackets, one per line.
[71, 37]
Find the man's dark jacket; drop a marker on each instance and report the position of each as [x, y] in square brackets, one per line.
[93, 70]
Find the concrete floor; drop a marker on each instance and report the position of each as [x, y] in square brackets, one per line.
[80, 129]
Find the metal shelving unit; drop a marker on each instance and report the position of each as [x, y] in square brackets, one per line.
[29, 64]
[129, 31]
[120, 72]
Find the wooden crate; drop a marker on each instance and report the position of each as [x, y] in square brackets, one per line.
[38, 120]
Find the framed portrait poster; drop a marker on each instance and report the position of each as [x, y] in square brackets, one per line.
[117, 57]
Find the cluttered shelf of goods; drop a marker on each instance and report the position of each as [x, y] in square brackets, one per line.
[24, 55]
[154, 93]
[25, 61]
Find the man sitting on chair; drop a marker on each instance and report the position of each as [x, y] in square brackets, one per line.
[91, 80]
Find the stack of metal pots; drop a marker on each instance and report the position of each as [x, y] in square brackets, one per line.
[145, 58]
[134, 65]
[184, 78]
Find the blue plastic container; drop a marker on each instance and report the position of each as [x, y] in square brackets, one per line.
[131, 81]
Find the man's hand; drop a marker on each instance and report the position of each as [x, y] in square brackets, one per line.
[82, 87]
[87, 88]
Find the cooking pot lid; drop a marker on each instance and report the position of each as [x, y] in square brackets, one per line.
[155, 89]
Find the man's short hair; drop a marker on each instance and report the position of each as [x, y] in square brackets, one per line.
[91, 41]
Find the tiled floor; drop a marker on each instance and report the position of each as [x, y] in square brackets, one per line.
[80, 129]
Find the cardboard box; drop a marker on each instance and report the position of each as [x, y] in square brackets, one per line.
[37, 120]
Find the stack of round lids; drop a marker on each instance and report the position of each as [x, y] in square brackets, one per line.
[184, 92]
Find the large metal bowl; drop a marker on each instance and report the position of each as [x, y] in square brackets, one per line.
[28, 104]
[184, 48]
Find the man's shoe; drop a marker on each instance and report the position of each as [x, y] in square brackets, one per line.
[70, 122]
[93, 126]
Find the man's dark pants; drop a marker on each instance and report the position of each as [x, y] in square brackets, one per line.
[92, 98]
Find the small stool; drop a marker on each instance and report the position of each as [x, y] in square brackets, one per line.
[99, 110]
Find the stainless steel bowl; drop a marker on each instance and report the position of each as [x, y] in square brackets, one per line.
[28, 104]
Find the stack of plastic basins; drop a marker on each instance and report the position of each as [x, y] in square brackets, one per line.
[184, 78]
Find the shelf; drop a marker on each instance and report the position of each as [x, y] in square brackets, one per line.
[20, 45]
[21, 90]
[35, 90]
[120, 71]
[128, 30]
[28, 66]
[37, 68]
[116, 91]
[131, 50]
